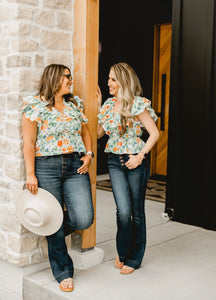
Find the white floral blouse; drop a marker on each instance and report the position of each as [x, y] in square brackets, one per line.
[57, 132]
[130, 142]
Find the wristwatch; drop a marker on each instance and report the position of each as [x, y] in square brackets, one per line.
[90, 153]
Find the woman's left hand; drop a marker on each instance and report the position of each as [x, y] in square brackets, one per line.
[134, 161]
[86, 163]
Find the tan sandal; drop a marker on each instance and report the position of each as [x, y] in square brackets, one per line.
[126, 270]
[66, 285]
[118, 264]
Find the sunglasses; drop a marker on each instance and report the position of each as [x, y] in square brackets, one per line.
[69, 77]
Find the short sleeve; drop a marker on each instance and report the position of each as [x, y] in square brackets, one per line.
[140, 104]
[80, 107]
[32, 108]
[83, 118]
[80, 102]
[104, 111]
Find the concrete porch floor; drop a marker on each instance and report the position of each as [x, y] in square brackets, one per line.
[179, 263]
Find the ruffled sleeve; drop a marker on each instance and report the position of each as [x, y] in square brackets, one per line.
[80, 106]
[33, 107]
[82, 117]
[105, 111]
[140, 104]
[76, 111]
[80, 102]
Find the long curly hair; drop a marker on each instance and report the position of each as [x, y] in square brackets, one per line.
[50, 83]
[129, 87]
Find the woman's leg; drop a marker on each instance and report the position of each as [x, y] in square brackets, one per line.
[77, 194]
[137, 179]
[48, 173]
[121, 194]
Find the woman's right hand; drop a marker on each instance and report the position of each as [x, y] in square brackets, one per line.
[99, 97]
[32, 183]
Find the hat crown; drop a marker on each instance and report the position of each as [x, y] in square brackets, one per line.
[40, 213]
[36, 213]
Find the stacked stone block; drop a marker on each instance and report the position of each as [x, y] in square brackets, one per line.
[33, 34]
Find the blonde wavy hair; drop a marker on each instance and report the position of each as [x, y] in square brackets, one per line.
[50, 83]
[129, 87]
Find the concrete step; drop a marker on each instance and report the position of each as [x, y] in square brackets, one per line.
[42, 286]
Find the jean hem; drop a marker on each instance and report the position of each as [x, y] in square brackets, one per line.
[122, 259]
[132, 264]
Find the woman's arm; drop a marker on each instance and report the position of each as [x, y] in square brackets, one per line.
[100, 130]
[87, 140]
[86, 136]
[152, 129]
[29, 130]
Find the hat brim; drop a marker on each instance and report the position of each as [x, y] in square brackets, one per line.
[56, 216]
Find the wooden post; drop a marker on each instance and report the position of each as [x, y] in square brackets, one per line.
[85, 45]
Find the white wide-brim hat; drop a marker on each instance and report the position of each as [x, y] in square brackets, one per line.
[40, 213]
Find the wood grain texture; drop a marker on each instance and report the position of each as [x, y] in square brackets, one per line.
[85, 45]
[162, 57]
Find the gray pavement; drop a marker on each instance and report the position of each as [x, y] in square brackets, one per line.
[179, 263]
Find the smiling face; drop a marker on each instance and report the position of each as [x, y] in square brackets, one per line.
[112, 83]
[67, 81]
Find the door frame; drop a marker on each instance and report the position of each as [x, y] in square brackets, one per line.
[155, 88]
[155, 93]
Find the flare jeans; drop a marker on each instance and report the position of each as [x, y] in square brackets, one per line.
[129, 188]
[58, 175]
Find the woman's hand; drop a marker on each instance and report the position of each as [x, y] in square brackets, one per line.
[99, 98]
[32, 183]
[86, 163]
[134, 161]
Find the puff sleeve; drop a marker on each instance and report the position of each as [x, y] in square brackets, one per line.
[140, 104]
[105, 111]
[76, 111]
[82, 117]
[80, 102]
[32, 108]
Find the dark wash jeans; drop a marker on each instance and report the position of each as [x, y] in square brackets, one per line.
[129, 188]
[58, 175]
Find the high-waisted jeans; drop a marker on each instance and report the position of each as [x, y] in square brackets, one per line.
[58, 175]
[129, 188]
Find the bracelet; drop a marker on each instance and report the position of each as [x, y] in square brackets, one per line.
[90, 153]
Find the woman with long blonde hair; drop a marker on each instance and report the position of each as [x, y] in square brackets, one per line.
[123, 117]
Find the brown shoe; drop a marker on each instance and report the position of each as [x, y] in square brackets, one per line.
[118, 264]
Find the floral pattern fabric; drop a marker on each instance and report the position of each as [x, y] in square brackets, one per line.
[58, 132]
[130, 142]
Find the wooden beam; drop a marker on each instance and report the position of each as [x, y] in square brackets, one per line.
[85, 45]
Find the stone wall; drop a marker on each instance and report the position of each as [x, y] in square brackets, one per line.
[33, 34]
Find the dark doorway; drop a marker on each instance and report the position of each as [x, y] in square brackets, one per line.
[127, 34]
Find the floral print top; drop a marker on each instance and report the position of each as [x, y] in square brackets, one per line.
[130, 142]
[58, 132]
